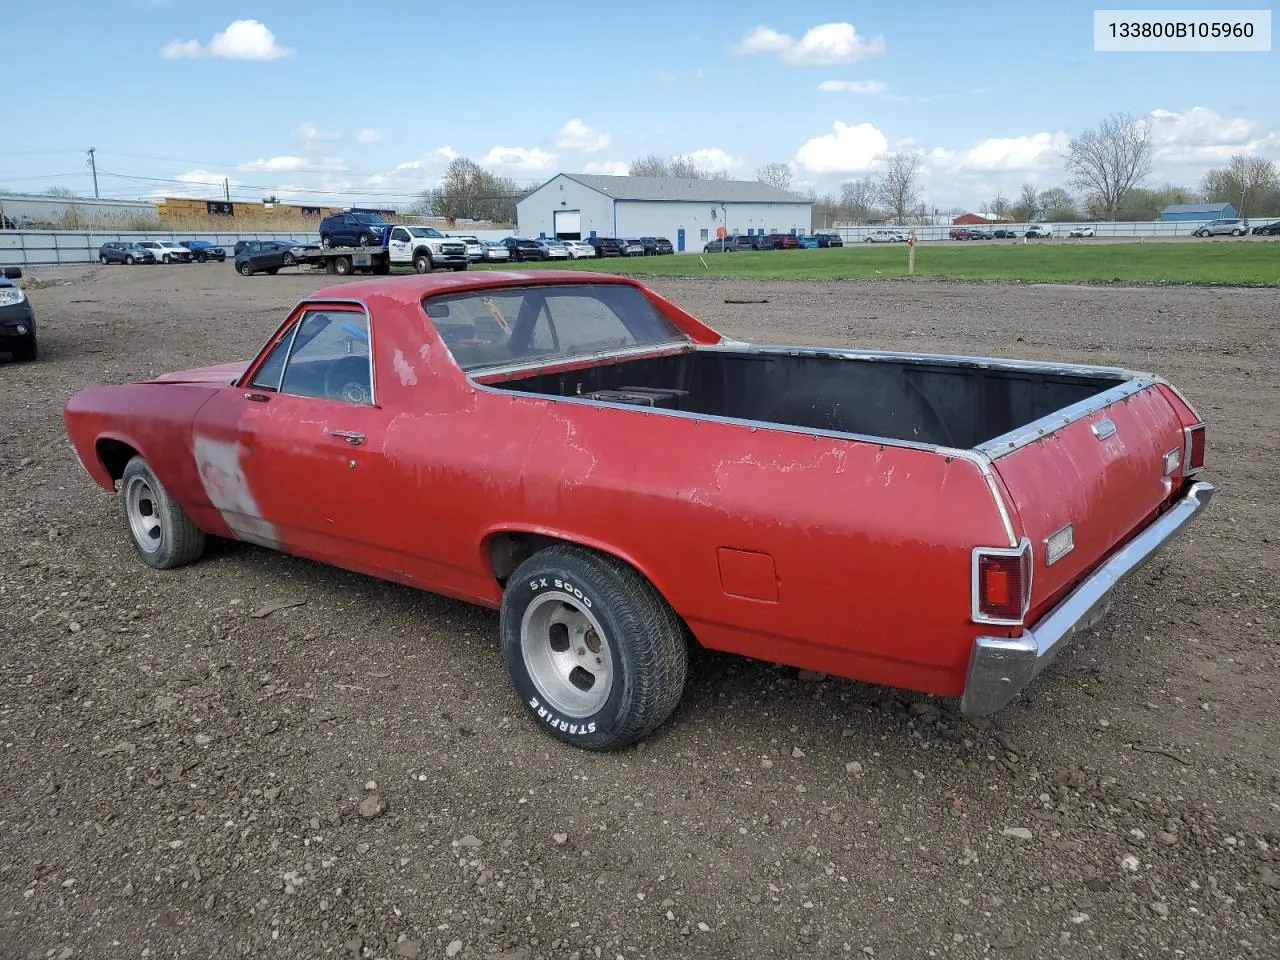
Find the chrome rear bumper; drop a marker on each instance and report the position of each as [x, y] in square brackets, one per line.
[1000, 668]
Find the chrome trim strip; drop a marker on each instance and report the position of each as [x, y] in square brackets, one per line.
[975, 613]
[530, 367]
[1000, 668]
[983, 463]
[1020, 437]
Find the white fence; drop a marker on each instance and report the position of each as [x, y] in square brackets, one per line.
[22, 248]
[1152, 228]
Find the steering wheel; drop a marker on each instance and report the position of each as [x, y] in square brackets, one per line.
[348, 380]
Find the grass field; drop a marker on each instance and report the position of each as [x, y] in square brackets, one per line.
[1237, 263]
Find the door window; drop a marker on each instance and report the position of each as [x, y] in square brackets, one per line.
[330, 358]
[399, 233]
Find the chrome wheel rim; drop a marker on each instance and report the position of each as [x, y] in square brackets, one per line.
[567, 654]
[142, 509]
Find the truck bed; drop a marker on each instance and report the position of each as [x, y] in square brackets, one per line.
[951, 402]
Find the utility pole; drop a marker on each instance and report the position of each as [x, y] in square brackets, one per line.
[94, 167]
[226, 189]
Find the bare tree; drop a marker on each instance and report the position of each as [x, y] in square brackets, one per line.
[62, 193]
[649, 166]
[1244, 181]
[1028, 204]
[467, 190]
[684, 168]
[857, 197]
[1110, 159]
[898, 189]
[1059, 206]
[998, 208]
[775, 174]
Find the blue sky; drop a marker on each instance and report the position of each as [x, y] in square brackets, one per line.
[318, 100]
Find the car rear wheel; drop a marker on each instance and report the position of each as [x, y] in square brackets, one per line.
[595, 653]
[162, 533]
[342, 266]
[326, 241]
[245, 269]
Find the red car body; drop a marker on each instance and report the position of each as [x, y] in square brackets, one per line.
[847, 554]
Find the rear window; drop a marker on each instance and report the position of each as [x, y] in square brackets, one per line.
[497, 327]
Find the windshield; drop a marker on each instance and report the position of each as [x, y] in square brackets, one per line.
[425, 232]
[497, 327]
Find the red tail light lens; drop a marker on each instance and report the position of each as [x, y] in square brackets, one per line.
[1002, 584]
[1193, 450]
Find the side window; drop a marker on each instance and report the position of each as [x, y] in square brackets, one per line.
[704, 234]
[400, 233]
[330, 359]
[268, 375]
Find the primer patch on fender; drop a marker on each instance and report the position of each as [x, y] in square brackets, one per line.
[227, 488]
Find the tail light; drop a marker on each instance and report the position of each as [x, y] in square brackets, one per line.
[1002, 583]
[1193, 450]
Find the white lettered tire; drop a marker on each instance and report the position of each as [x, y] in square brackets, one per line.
[595, 653]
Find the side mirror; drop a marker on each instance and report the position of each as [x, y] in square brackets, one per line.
[13, 273]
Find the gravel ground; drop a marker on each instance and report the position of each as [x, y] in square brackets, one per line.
[186, 773]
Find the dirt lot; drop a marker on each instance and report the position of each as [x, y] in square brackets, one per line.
[181, 778]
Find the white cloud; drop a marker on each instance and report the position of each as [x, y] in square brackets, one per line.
[313, 138]
[825, 43]
[290, 164]
[850, 149]
[576, 135]
[448, 152]
[712, 160]
[851, 86]
[609, 168]
[199, 183]
[529, 159]
[1204, 138]
[1039, 151]
[178, 49]
[242, 40]
[368, 135]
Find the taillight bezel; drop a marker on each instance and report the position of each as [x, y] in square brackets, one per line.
[1188, 446]
[1026, 555]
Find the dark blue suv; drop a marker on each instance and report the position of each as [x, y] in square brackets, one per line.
[353, 230]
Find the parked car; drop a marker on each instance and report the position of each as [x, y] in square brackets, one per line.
[523, 249]
[829, 239]
[353, 230]
[885, 236]
[721, 245]
[1267, 229]
[650, 245]
[959, 233]
[762, 241]
[202, 250]
[632, 248]
[1000, 504]
[17, 319]
[579, 249]
[495, 252]
[981, 233]
[268, 256]
[1232, 226]
[166, 251]
[663, 246]
[553, 249]
[607, 246]
[124, 251]
[1081, 232]
[807, 242]
[1038, 231]
[1005, 233]
[475, 249]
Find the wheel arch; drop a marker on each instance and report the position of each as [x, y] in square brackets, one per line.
[114, 453]
[504, 548]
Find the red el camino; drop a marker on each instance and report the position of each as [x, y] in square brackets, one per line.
[620, 480]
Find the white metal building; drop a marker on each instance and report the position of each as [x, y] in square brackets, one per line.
[686, 212]
[24, 210]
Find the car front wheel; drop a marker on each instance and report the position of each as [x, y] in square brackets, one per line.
[129, 260]
[245, 269]
[162, 533]
[595, 653]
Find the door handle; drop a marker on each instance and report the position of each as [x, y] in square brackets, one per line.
[257, 397]
[353, 438]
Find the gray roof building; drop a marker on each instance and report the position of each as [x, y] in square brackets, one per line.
[675, 188]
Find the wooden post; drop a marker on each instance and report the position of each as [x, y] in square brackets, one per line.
[911, 253]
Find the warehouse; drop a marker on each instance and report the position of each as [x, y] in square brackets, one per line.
[573, 206]
[1198, 211]
[28, 211]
